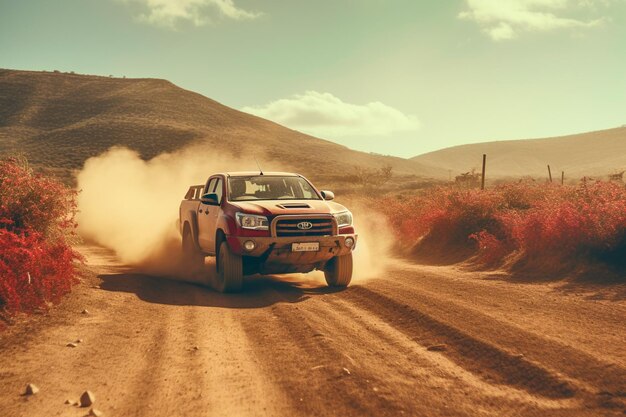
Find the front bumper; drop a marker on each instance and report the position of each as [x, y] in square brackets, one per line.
[277, 250]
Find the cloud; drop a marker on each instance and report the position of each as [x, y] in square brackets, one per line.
[168, 13]
[507, 19]
[326, 116]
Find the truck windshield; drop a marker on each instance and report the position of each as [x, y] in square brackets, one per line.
[266, 187]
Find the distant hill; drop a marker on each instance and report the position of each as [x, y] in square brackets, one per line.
[59, 120]
[587, 154]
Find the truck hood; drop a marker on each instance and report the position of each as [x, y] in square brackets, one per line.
[280, 207]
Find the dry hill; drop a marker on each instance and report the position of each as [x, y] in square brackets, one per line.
[588, 154]
[58, 120]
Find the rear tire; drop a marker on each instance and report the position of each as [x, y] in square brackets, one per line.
[193, 259]
[338, 271]
[229, 276]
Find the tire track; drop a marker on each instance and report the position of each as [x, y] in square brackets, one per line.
[432, 371]
[589, 374]
[200, 361]
[310, 369]
[542, 310]
[155, 388]
[233, 382]
[482, 358]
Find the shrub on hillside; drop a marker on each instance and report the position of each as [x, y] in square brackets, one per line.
[37, 263]
[533, 221]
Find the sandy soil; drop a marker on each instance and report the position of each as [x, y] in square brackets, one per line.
[417, 341]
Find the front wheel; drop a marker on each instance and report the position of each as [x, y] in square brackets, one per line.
[229, 277]
[338, 271]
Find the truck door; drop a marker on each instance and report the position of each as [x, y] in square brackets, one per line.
[207, 217]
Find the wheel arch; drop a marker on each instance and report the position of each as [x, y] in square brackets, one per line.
[220, 236]
[191, 223]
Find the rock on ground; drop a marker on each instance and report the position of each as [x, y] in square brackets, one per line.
[87, 399]
[31, 389]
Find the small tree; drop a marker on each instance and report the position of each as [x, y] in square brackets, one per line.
[386, 173]
[366, 177]
[469, 179]
[618, 176]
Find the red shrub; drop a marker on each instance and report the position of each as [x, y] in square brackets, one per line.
[445, 215]
[581, 220]
[36, 219]
[491, 249]
[34, 202]
[33, 270]
[533, 220]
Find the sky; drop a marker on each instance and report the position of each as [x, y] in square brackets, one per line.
[396, 77]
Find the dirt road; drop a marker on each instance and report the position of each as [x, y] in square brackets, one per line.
[417, 341]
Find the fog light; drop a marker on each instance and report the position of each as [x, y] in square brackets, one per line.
[349, 242]
[249, 245]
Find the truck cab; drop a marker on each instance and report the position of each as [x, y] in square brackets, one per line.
[267, 223]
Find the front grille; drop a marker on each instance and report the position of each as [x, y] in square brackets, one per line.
[288, 226]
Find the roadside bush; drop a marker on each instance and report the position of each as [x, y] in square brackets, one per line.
[534, 222]
[445, 215]
[572, 221]
[37, 263]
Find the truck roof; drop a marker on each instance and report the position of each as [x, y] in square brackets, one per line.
[255, 173]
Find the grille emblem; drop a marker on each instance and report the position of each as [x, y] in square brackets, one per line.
[304, 225]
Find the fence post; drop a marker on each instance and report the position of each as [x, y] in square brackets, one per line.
[549, 173]
[482, 177]
[562, 177]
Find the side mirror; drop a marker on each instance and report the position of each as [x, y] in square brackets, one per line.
[210, 199]
[327, 195]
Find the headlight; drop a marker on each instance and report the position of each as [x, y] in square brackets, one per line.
[343, 219]
[252, 221]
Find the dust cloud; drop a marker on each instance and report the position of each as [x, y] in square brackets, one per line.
[373, 253]
[131, 206]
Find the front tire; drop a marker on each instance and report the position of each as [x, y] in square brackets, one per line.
[229, 276]
[338, 271]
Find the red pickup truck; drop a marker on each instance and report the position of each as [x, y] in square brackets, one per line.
[267, 223]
